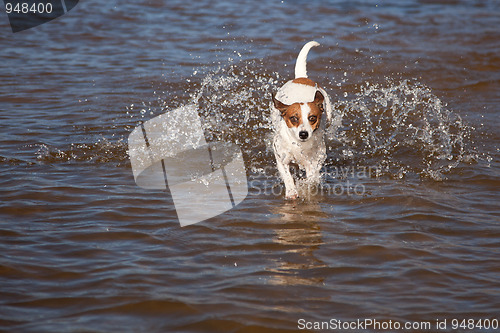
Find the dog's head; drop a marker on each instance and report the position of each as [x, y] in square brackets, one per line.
[302, 119]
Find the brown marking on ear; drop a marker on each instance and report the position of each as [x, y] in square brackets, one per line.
[304, 80]
[319, 99]
[280, 106]
[293, 115]
[316, 110]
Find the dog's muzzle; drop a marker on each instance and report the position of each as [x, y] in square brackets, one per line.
[303, 135]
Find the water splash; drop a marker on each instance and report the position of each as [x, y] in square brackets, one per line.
[398, 127]
[102, 151]
[233, 103]
[402, 128]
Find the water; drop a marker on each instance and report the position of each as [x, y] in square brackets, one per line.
[404, 227]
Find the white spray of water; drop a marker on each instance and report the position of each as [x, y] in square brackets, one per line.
[399, 127]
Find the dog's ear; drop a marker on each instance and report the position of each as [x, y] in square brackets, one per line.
[318, 100]
[280, 106]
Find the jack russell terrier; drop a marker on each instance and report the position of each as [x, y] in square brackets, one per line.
[298, 115]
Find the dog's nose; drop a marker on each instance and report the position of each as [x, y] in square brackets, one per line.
[303, 135]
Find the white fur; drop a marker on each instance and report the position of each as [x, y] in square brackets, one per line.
[292, 92]
[310, 153]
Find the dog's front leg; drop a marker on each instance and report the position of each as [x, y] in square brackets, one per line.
[313, 173]
[284, 169]
[313, 168]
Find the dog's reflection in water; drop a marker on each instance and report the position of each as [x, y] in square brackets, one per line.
[299, 235]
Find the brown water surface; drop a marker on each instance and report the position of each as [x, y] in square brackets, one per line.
[406, 224]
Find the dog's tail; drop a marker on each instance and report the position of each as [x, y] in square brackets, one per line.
[301, 63]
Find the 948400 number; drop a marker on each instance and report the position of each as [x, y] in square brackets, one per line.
[471, 324]
[25, 8]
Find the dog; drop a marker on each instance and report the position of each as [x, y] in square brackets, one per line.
[298, 112]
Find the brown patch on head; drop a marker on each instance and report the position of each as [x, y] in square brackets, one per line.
[293, 115]
[290, 113]
[317, 109]
[304, 80]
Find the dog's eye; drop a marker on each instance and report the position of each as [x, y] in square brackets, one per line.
[294, 119]
[313, 119]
